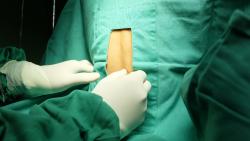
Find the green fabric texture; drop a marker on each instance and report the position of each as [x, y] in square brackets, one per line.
[79, 116]
[166, 43]
[168, 39]
[218, 95]
[7, 54]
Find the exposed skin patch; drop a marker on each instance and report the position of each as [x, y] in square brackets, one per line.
[120, 51]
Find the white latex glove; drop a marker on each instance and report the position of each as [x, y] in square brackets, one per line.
[126, 94]
[35, 80]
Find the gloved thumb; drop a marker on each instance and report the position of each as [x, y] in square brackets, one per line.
[138, 75]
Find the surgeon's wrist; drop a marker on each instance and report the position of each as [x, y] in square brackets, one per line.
[124, 131]
[12, 71]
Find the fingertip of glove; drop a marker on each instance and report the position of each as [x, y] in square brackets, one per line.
[86, 62]
[93, 76]
[88, 66]
[147, 85]
[139, 75]
[96, 75]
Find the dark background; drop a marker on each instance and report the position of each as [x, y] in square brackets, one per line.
[28, 24]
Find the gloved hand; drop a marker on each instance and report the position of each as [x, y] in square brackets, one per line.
[126, 94]
[34, 80]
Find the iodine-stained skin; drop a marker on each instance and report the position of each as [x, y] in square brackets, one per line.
[120, 51]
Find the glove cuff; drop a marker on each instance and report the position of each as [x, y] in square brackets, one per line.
[13, 76]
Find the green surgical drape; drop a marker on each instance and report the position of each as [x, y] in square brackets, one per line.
[217, 92]
[168, 39]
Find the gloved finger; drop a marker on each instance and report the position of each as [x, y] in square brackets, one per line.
[138, 75]
[147, 85]
[118, 74]
[80, 66]
[83, 78]
[85, 66]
